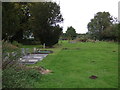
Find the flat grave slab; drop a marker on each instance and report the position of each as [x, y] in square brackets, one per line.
[32, 58]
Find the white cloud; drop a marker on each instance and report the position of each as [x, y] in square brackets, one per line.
[77, 13]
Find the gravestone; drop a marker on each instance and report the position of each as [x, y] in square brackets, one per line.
[34, 49]
[44, 45]
[32, 58]
[23, 51]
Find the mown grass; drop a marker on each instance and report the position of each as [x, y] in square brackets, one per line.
[73, 67]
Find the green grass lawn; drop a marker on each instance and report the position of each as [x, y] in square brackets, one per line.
[73, 67]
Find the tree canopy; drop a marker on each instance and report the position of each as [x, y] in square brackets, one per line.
[46, 16]
[100, 26]
[15, 20]
[10, 20]
[41, 20]
[71, 33]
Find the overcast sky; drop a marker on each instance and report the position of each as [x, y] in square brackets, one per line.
[77, 13]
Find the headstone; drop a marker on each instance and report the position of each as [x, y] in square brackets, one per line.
[23, 51]
[44, 45]
[34, 49]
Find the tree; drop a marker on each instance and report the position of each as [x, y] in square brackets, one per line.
[118, 31]
[24, 27]
[10, 20]
[71, 33]
[45, 18]
[111, 32]
[63, 36]
[15, 17]
[99, 23]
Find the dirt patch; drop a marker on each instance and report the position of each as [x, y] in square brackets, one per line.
[114, 51]
[93, 77]
[71, 48]
[92, 61]
[41, 70]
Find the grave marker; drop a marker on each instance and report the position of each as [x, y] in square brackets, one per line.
[34, 49]
[44, 45]
[23, 51]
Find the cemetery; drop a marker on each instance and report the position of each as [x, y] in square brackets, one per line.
[78, 62]
[41, 50]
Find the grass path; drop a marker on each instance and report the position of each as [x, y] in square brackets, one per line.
[73, 67]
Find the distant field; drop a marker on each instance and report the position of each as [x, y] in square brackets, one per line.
[73, 66]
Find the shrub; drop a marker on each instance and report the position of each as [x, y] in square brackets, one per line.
[90, 40]
[8, 47]
[10, 55]
[22, 78]
[13, 75]
[82, 39]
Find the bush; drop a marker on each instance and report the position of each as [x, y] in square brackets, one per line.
[13, 75]
[22, 78]
[91, 40]
[82, 39]
[10, 55]
[8, 47]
